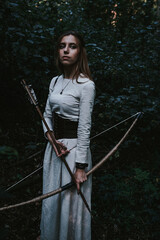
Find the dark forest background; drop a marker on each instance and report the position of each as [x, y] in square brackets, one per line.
[122, 42]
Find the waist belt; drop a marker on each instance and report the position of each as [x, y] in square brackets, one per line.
[64, 128]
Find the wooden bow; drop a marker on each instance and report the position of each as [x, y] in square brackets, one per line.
[69, 185]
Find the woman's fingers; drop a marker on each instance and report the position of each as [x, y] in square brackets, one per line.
[80, 177]
[59, 148]
[62, 145]
[63, 149]
[63, 153]
[78, 187]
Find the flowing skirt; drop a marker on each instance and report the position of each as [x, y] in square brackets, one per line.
[64, 216]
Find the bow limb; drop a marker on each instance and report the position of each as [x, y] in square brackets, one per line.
[69, 185]
[115, 148]
[40, 198]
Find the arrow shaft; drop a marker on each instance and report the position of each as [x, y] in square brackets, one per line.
[55, 145]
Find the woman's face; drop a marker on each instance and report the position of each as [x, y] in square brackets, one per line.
[69, 50]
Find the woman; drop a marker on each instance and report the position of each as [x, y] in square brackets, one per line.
[68, 114]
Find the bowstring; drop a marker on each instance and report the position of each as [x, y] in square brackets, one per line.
[91, 138]
[117, 124]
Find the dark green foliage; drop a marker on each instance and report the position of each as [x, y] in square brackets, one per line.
[8, 153]
[129, 203]
[122, 41]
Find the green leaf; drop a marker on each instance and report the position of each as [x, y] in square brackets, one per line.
[7, 152]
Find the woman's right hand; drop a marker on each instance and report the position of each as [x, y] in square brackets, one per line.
[80, 177]
[59, 147]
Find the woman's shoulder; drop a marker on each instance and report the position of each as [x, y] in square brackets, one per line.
[87, 87]
[53, 82]
[54, 79]
[84, 81]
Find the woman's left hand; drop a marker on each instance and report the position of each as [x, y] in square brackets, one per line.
[80, 177]
[62, 148]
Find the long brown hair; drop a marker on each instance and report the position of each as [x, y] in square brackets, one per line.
[82, 67]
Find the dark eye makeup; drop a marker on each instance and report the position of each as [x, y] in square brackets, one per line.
[71, 45]
[61, 45]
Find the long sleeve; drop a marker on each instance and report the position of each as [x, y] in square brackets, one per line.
[48, 110]
[84, 125]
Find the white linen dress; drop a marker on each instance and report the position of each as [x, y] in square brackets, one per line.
[65, 216]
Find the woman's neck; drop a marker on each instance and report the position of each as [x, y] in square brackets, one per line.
[69, 72]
